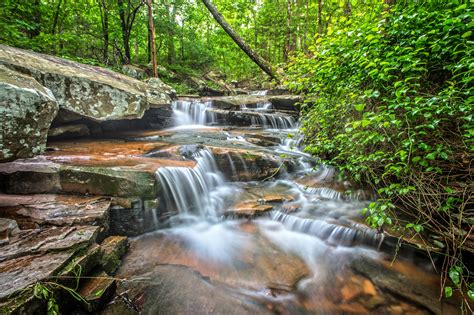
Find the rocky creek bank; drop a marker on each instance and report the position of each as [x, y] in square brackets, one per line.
[74, 185]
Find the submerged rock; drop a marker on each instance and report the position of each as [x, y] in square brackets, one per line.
[26, 112]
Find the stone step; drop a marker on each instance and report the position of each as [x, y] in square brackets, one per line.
[34, 211]
[106, 168]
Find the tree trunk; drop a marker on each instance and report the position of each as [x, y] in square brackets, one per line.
[288, 31]
[36, 19]
[125, 37]
[56, 16]
[151, 28]
[238, 40]
[104, 17]
[305, 28]
[126, 23]
[182, 39]
[348, 7]
[320, 21]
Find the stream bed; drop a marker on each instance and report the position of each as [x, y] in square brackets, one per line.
[257, 226]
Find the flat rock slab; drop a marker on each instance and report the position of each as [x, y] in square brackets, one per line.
[42, 241]
[33, 211]
[248, 209]
[107, 168]
[18, 273]
[97, 290]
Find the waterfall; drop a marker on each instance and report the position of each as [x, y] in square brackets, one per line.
[193, 112]
[259, 92]
[273, 121]
[333, 234]
[196, 191]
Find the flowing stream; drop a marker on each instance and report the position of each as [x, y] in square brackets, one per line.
[290, 241]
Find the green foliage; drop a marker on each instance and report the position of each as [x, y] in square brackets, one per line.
[393, 108]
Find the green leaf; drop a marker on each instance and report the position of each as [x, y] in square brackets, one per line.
[448, 292]
[99, 292]
[467, 34]
[470, 294]
[359, 107]
[455, 276]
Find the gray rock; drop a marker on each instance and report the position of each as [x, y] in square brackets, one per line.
[159, 93]
[26, 111]
[7, 228]
[134, 72]
[92, 92]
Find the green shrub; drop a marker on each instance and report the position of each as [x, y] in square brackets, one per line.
[392, 108]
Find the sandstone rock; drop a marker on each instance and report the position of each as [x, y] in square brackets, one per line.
[97, 291]
[38, 177]
[18, 273]
[110, 168]
[32, 242]
[7, 227]
[33, 211]
[286, 102]
[113, 248]
[69, 131]
[248, 209]
[401, 285]
[26, 111]
[92, 92]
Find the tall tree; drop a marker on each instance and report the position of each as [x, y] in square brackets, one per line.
[56, 17]
[104, 19]
[151, 37]
[127, 18]
[238, 40]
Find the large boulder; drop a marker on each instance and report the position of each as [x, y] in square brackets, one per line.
[92, 92]
[26, 112]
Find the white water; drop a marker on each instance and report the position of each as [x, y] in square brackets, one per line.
[198, 191]
[194, 112]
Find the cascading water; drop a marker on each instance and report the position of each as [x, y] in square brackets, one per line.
[197, 191]
[296, 258]
[273, 121]
[333, 234]
[195, 112]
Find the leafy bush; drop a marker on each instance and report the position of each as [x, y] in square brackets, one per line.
[392, 107]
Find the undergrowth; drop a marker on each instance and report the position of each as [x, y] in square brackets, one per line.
[392, 108]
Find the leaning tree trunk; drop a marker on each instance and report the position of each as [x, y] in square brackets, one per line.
[238, 40]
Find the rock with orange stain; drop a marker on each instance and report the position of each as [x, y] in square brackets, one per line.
[110, 168]
[33, 211]
[248, 209]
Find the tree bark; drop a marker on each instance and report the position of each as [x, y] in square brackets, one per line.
[56, 16]
[151, 28]
[238, 40]
[36, 19]
[126, 23]
[347, 7]
[104, 16]
[320, 21]
[288, 31]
